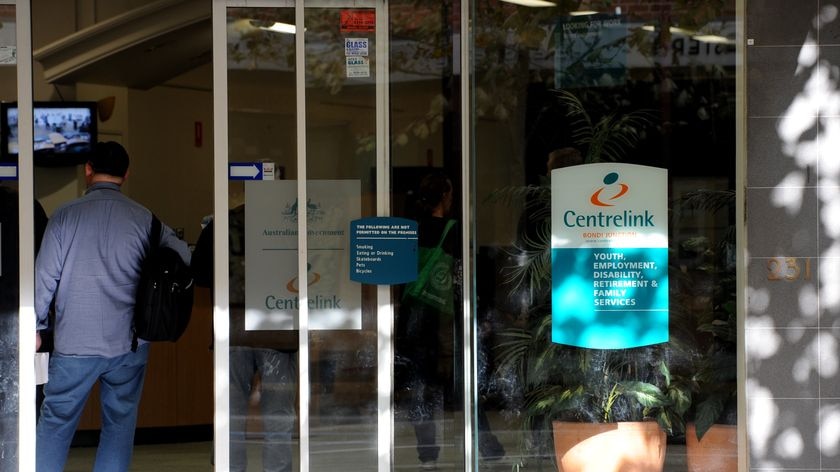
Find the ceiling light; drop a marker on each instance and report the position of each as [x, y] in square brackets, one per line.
[532, 3]
[583, 12]
[280, 28]
[672, 29]
[678, 30]
[713, 38]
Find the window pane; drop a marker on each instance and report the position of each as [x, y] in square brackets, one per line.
[9, 270]
[426, 181]
[263, 354]
[555, 88]
[341, 187]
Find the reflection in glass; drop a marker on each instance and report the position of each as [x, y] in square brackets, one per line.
[426, 187]
[9, 303]
[341, 187]
[553, 89]
[9, 265]
[263, 359]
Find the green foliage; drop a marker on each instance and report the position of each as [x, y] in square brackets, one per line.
[591, 385]
[716, 372]
[607, 138]
[533, 270]
[707, 354]
[569, 383]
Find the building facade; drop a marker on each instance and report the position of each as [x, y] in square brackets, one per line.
[643, 205]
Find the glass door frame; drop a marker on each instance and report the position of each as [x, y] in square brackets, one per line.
[26, 237]
[385, 309]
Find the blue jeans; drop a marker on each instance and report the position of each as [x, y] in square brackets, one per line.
[70, 380]
[278, 391]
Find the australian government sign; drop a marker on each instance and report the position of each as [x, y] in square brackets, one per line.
[609, 255]
[273, 284]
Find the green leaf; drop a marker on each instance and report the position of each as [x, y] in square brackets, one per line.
[663, 369]
[708, 411]
[648, 395]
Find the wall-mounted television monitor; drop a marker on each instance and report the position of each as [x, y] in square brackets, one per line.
[65, 132]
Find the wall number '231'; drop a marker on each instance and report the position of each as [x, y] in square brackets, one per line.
[788, 268]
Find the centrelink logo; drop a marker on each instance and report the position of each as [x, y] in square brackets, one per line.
[598, 200]
[312, 278]
[605, 197]
[314, 211]
[292, 302]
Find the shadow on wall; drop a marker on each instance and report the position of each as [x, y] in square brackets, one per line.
[793, 323]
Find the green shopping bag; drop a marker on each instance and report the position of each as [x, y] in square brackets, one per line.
[433, 286]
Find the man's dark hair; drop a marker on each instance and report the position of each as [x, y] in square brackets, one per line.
[432, 189]
[109, 158]
[564, 157]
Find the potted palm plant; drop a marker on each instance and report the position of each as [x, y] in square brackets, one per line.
[586, 395]
[707, 345]
[711, 438]
[621, 401]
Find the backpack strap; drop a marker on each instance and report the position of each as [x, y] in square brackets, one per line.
[154, 243]
[449, 225]
[154, 235]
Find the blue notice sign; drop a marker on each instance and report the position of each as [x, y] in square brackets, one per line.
[383, 250]
[616, 299]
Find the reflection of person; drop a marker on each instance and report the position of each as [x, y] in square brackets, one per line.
[9, 260]
[89, 264]
[563, 157]
[9, 302]
[9, 247]
[425, 343]
[261, 362]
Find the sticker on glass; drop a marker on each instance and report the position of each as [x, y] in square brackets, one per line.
[358, 66]
[356, 47]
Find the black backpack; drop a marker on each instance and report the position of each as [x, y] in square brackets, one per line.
[164, 295]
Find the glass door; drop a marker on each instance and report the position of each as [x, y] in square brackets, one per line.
[257, 398]
[22, 222]
[342, 187]
[10, 272]
[323, 359]
[306, 385]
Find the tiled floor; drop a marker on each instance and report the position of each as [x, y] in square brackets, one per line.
[344, 448]
[184, 457]
[195, 457]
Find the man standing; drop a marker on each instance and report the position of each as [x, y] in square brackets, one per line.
[270, 356]
[89, 264]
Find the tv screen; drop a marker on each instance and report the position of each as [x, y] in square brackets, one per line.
[64, 132]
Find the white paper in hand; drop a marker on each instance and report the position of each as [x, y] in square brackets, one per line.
[42, 367]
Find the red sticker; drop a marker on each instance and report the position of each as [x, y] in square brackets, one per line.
[358, 21]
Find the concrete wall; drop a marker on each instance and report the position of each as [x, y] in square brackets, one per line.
[793, 235]
[171, 174]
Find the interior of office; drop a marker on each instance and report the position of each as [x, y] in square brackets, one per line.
[153, 92]
[147, 66]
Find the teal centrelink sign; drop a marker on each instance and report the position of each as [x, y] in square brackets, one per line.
[609, 255]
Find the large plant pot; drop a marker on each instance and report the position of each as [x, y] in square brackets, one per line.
[609, 447]
[717, 451]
